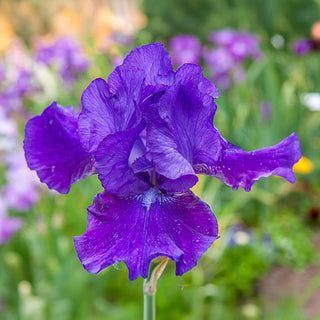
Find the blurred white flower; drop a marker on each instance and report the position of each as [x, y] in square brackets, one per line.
[278, 41]
[311, 100]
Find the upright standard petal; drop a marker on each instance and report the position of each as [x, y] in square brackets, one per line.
[190, 75]
[178, 129]
[53, 149]
[154, 60]
[110, 107]
[136, 230]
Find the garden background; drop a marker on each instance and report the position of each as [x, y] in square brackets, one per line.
[266, 263]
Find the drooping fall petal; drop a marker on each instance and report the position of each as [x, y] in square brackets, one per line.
[138, 229]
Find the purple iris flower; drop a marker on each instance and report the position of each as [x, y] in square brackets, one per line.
[302, 46]
[185, 49]
[147, 133]
[67, 56]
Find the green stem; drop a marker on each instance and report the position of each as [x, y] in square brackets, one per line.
[150, 287]
[149, 304]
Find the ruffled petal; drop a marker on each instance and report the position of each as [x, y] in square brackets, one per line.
[136, 230]
[110, 107]
[169, 160]
[53, 148]
[176, 131]
[155, 61]
[113, 166]
[191, 75]
[238, 168]
[182, 141]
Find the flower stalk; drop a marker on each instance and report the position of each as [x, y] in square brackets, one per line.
[150, 286]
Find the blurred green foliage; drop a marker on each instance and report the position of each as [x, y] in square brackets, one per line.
[291, 18]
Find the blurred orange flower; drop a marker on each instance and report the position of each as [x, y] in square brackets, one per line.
[315, 31]
[6, 32]
[104, 25]
[121, 16]
[67, 22]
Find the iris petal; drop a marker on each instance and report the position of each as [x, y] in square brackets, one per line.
[110, 107]
[53, 148]
[191, 75]
[138, 229]
[238, 168]
[180, 131]
[154, 60]
[177, 130]
[112, 163]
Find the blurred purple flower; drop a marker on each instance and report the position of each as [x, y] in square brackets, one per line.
[17, 81]
[239, 75]
[8, 225]
[225, 60]
[302, 46]
[22, 189]
[67, 56]
[220, 64]
[15, 91]
[148, 132]
[185, 49]
[2, 71]
[240, 45]
[116, 61]
[17, 85]
[222, 37]
[266, 111]
[122, 39]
